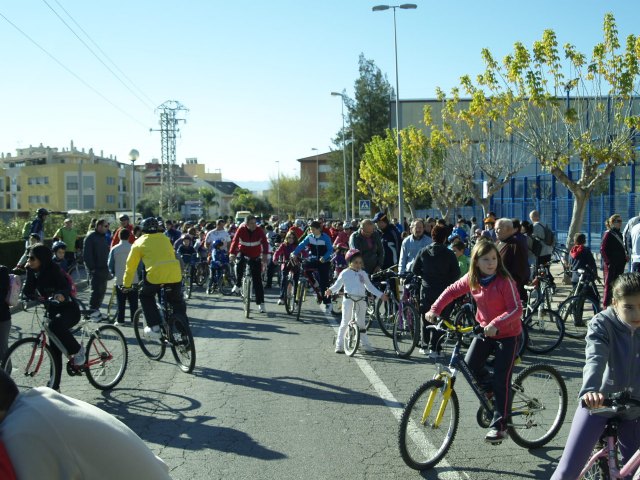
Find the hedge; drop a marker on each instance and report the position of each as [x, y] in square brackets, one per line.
[12, 250]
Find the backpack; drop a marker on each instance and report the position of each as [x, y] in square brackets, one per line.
[26, 230]
[15, 287]
[72, 285]
[536, 246]
[549, 236]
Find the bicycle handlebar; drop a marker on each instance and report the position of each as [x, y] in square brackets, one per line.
[614, 403]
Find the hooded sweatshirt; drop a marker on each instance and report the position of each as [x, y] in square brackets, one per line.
[580, 257]
[438, 268]
[613, 353]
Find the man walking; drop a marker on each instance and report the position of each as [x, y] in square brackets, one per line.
[117, 264]
[96, 255]
[390, 237]
[125, 224]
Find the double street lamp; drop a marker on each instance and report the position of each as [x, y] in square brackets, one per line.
[379, 8]
[133, 156]
[344, 159]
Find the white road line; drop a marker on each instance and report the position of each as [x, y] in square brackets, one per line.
[390, 401]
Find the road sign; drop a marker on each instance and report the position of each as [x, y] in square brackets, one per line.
[364, 207]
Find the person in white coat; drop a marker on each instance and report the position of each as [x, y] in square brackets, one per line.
[356, 282]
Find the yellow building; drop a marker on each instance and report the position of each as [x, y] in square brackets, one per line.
[65, 180]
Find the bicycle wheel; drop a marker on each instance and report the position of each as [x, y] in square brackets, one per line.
[187, 283]
[289, 297]
[300, 293]
[246, 295]
[406, 331]
[538, 406]
[545, 330]
[152, 348]
[200, 276]
[182, 345]
[224, 284]
[600, 469]
[386, 314]
[466, 318]
[351, 339]
[107, 357]
[112, 307]
[576, 312]
[336, 305]
[371, 312]
[30, 365]
[428, 425]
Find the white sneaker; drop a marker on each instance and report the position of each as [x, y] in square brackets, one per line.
[235, 289]
[80, 358]
[327, 308]
[435, 355]
[366, 343]
[261, 308]
[152, 332]
[423, 351]
[280, 301]
[339, 349]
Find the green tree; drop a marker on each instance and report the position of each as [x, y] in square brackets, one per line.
[208, 197]
[368, 116]
[291, 190]
[580, 111]
[475, 148]
[379, 168]
[149, 204]
[244, 199]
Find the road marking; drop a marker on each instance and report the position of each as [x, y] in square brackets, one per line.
[390, 401]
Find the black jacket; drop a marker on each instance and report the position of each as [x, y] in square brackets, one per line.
[438, 268]
[391, 242]
[48, 281]
[96, 251]
[372, 256]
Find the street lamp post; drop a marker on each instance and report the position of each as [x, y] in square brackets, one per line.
[317, 184]
[344, 159]
[133, 156]
[378, 8]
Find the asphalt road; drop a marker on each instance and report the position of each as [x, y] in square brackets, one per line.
[270, 399]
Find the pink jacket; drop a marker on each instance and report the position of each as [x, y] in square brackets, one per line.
[498, 304]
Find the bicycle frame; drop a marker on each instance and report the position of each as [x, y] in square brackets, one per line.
[608, 451]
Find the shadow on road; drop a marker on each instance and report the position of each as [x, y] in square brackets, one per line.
[159, 417]
[294, 386]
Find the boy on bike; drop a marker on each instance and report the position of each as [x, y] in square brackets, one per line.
[162, 267]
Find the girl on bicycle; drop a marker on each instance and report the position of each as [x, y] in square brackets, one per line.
[355, 282]
[45, 280]
[612, 352]
[499, 312]
[281, 256]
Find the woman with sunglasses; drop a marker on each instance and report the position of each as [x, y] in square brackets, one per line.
[614, 255]
[45, 280]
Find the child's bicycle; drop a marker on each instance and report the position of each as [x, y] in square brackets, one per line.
[30, 362]
[604, 463]
[175, 333]
[351, 340]
[430, 418]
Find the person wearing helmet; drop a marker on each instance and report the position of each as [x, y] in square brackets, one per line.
[59, 250]
[125, 224]
[37, 225]
[355, 282]
[96, 258]
[320, 249]
[298, 229]
[219, 263]
[162, 267]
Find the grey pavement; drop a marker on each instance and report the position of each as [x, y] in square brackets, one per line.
[269, 399]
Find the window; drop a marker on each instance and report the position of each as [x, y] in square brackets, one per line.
[111, 199]
[324, 168]
[88, 182]
[88, 202]
[72, 202]
[111, 180]
[72, 184]
[38, 198]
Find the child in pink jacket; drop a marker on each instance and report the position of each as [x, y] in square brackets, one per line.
[499, 312]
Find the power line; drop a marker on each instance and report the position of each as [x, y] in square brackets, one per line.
[96, 55]
[80, 79]
[151, 102]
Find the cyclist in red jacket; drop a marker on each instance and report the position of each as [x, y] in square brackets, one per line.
[250, 244]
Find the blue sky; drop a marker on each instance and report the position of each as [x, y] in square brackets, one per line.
[255, 75]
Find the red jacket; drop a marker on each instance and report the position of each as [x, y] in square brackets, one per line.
[498, 304]
[116, 236]
[250, 244]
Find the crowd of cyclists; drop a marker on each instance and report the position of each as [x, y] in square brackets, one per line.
[492, 261]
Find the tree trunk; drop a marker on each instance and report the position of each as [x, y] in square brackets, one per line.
[484, 203]
[580, 201]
